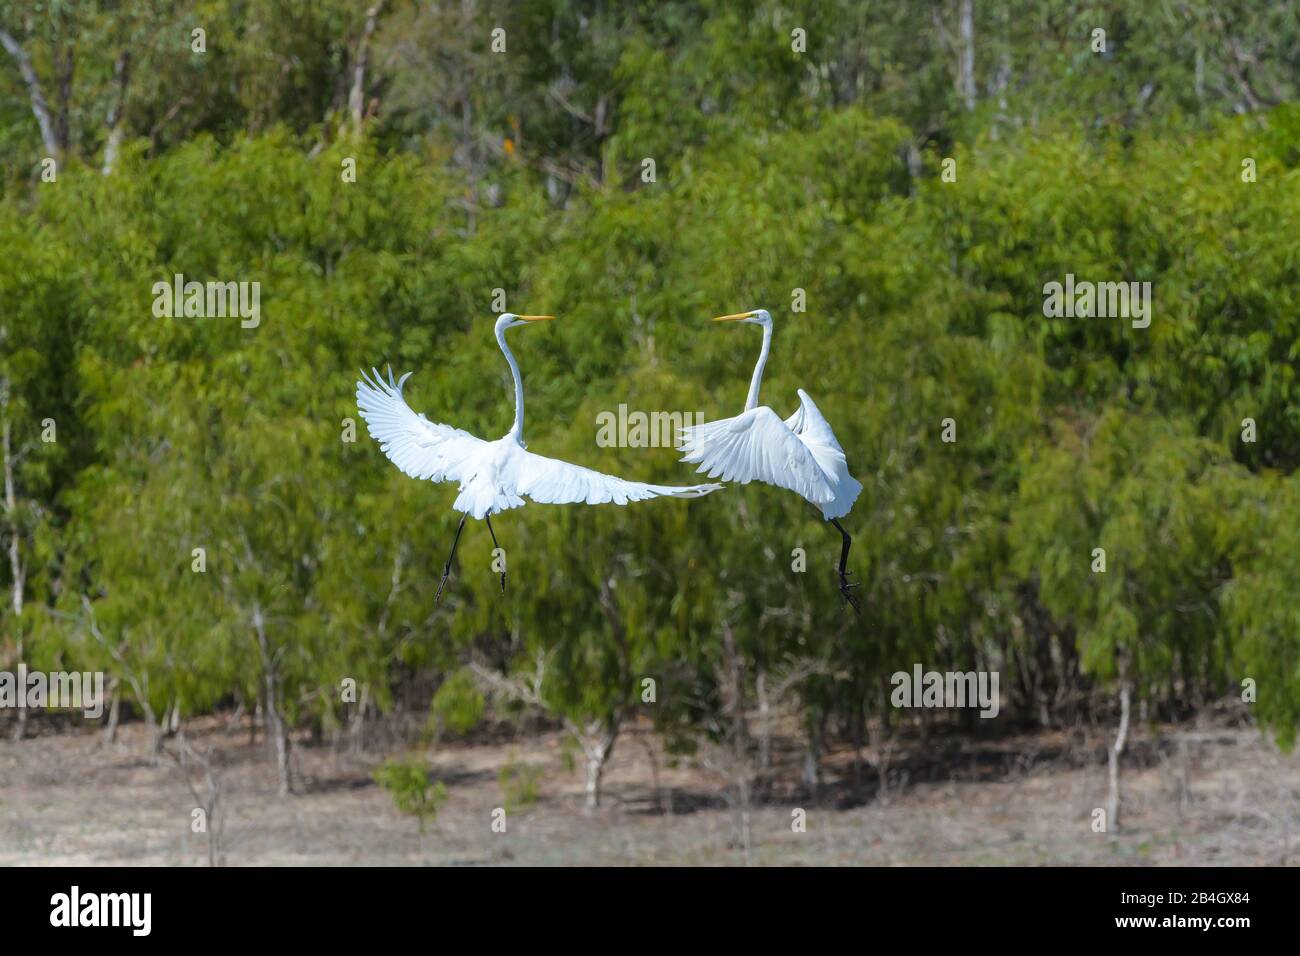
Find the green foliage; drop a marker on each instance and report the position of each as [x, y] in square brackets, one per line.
[776, 171]
[1261, 609]
[519, 784]
[407, 781]
[459, 704]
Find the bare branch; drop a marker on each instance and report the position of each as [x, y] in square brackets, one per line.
[356, 98]
[511, 688]
[40, 106]
[116, 125]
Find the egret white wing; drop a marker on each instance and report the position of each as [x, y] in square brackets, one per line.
[554, 482]
[810, 427]
[756, 445]
[419, 447]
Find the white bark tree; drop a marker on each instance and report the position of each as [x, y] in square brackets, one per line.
[1113, 755]
[207, 794]
[595, 734]
[357, 95]
[277, 727]
[966, 54]
[728, 746]
[40, 106]
[14, 532]
[116, 111]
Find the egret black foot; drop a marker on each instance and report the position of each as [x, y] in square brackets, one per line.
[497, 552]
[846, 592]
[446, 571]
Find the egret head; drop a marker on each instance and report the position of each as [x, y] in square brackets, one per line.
[754, 317]
[508, 320]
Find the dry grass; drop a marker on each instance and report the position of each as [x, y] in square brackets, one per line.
[1193, 795]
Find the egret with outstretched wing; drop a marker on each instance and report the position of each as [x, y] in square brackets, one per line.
[800, 453]
[494, 476]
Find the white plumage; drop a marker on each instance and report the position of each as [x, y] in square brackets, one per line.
[800, 453]
[494, 476]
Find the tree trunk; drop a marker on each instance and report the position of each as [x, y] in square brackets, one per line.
[114, 711]
[764, 716]
[276, 727]
[215, 823]
[857, 732]
[65, 61]
[734, 707]
[17, 571]
[234, 720]
[1184, 773]
[812, 756]
[742, 792]
[278, 731]
[20, 728]
[116, 124]
[358, 729]
[155, 731]
[661, 805]
[597, 745]
[809, 774]
[966, 54]
[35, 95]
[1112, 798]
[171, 721]
[357, 97]
[595, 768]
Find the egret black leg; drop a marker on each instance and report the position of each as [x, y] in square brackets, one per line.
[447, 570]
[497, 546]
[846, 589]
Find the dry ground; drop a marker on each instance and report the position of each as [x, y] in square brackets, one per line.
[1194, 795]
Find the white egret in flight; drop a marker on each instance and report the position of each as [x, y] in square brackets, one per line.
[494, 476]
[800, 453]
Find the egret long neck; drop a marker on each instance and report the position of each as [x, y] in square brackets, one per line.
[757, 380]
[517, 429]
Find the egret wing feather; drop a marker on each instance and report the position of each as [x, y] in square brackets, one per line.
[811, 428]
[420, 448]
[554, 482]
[757, 445]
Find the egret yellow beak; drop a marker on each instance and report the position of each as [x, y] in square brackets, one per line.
[734, 318]
[535, 318]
